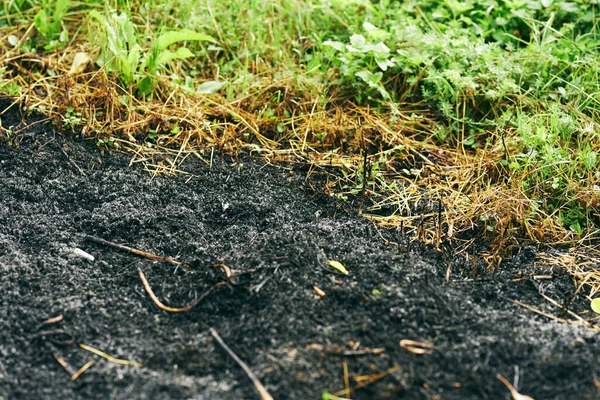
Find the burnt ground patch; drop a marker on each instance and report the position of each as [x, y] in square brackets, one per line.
[276, 234]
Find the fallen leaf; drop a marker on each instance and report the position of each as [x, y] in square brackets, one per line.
[79, 63]
[595, 304]
[319, 292]
[337, 265]
[210, 87]
[13, 40]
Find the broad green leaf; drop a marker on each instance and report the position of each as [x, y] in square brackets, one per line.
[339, 46]
[357, 41]
[60, 9]
[369, 27]
[145, 85]
[372, 79]
[374, 32]
[110, 35]
[210, 87]
[126, 29]
[384, 64]
[133, 59]
[595, 304]
[99, 17]
[64, 36]
[338, 265]
[569, 7]
[167, 55]
[168, 38]
[41, 22]
[379, 48]
[125, 69]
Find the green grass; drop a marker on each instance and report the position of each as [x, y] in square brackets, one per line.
[510, 88]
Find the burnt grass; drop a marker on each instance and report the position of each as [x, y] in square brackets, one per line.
[276, 234]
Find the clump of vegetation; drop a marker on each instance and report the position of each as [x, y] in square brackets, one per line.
[48, 22]
[122, 54]
[506, 78]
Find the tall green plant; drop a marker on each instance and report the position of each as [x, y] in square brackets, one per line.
[122, 54]
[48, 22]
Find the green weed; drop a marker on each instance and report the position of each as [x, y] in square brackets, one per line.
[11, 10]
[556, 161]
[72, 118]
[48, 22]
[122, 54]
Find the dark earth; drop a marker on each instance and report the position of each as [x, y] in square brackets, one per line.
[276, 234]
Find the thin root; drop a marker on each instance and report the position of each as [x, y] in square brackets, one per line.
[264, 395]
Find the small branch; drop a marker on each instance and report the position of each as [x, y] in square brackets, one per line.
[150, 256]
[264, 395]
[535, 310]
[157, 301]
[227, 272]
[109, 357]
[82, 370]
[60, 333]
[346, 380]
[416, 347]
[513, 392]
[173, 309]
[53, 320]
[364, 381]
[73, 163]
[59, 359]
[363, 352]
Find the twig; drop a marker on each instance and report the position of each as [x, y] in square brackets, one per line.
[353, 353]
[150, 256]
[416, 347]
[264, 395]
[62, 362]
[82, 370]
[535, 310]
[156, 300]
[174, 309]
[68, 338]
[554, 302]
[367, 380]
[513, 392]
[109, 357]
[73, 163]
[227, 272]
[53, 320]
[59, 359]
[346, 380]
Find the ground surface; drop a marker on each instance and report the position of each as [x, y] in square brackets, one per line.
[264, 223]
